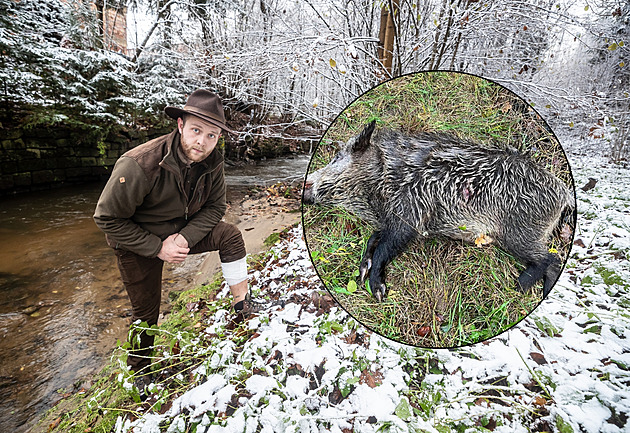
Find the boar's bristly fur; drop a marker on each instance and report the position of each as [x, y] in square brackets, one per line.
[410, 186]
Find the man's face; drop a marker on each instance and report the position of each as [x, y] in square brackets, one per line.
[199, 137]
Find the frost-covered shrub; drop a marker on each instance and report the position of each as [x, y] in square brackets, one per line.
[52, 61]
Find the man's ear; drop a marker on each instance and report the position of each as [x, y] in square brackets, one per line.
[180, 125]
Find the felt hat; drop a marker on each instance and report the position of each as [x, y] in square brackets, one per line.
[203, 104]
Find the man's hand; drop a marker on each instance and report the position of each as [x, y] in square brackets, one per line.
[174, 249]
[181, 241]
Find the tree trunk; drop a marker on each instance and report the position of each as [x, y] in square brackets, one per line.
[444, 44]
[100, 22]
[161, 13]
[436, 40]
[387, 36]
[167, 33]
[381, 33]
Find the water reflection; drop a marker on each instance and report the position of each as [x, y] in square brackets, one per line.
[54, 272]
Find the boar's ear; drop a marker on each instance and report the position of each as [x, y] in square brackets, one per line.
[362, 141]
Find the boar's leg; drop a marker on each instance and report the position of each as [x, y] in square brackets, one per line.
[546, 269]
[366, 261]
[552, 273]
[533, 273]
[527, 246]
[390, 244]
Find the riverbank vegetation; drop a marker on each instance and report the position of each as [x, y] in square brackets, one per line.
[182, 346]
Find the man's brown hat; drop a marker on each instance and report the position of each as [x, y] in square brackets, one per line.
[203, 104]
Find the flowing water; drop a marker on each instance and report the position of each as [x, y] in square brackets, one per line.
[62, 305]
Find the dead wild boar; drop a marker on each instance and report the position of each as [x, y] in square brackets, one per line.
[431, 185]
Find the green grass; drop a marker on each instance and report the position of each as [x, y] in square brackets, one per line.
[442, 293]
[436, 283]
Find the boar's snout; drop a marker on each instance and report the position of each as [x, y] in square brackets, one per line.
[309, 192]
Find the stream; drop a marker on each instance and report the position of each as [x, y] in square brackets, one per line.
[62, 304]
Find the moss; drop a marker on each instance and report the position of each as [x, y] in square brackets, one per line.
[272, 239]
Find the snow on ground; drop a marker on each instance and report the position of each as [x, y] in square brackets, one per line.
[308, 367]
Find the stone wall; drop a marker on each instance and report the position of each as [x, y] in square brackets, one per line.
[41, 158]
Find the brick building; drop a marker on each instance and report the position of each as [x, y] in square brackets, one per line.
[115, 29]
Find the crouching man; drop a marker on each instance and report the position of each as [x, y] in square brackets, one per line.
[165, 199]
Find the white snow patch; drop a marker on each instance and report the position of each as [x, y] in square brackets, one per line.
[214, 394]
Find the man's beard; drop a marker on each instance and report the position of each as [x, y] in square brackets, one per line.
[186, 151]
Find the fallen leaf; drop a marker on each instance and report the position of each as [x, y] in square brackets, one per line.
[371, 379]
[53, 425]
[590, 184]
[540, 401]
[483, 239]
[423, 331]
[481, 401]
[539, 358]
[492, 424]
[335, 397]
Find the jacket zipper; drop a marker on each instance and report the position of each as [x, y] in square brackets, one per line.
[195, 190]
[180, 184]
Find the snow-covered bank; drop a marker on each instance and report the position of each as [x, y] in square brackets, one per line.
[307, 366]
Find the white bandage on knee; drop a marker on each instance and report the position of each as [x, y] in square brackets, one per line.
[235, 272]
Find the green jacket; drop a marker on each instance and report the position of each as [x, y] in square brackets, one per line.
[145, 201]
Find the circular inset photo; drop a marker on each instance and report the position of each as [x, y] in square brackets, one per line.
[439, 209]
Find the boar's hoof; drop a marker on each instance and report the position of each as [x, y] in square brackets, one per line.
[364, 269]
[547, 270]
[379, 292]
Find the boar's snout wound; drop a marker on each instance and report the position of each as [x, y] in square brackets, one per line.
[309, 193]
[430, 184]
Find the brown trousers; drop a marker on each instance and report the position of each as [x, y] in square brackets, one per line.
[142, 277]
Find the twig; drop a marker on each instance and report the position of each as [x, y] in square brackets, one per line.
[593, 256]
[544, 388]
